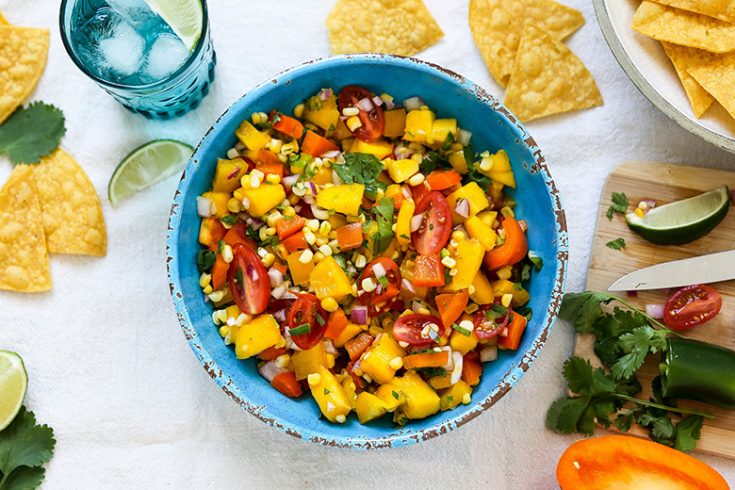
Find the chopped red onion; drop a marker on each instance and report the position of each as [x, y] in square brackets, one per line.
[270, 370]
[408, 285]
[377, 101]
[655, 311]
[458, 360]
[205, 207]
[365, 104]
[291, 180]
[275, 276]
[331, 154]
[463, 207]
[255, 223]
[413, 103]
[416, 222]
[379, 270]
[280, 315]
[233, 174]
[489, 353]
[325, 93]
[389, 104]
[464, 137]
[319, 213]
[312, 187]
[336, 180]
[416, 306]
[359, 315]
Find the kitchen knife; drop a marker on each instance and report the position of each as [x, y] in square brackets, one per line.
[704, 269]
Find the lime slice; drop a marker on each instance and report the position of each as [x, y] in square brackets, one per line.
[683, 221]
[145, 166]
[184, 17]
[13, 385]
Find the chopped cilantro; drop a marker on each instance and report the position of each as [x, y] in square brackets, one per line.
[619, 204]
[221, 246]
[229, 219]
[205, 260]
[431, 372]
[538, 262]
[32, 133]
[433, 160]
[361, 168]
[384, 218]
[320, 320]
[617, 244]
[395, 395]
[326, 391]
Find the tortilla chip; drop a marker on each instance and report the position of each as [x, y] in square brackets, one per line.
[548, 79]
[684, 28]
[683, 59]
[23, 53]
[24, 262]
[719, 9]
[497, 26]
[402, 27]
[718, 78]
[3, 20]
[72, 214]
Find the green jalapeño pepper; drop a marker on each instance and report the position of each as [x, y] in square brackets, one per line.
[700, 371]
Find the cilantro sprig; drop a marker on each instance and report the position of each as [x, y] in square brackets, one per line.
[617, 244]
[24, 448]
[32, 133]
[383, 235]
[624, 337]
[361, 168]
[619, 205]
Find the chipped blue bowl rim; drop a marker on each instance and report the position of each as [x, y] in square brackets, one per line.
[406, 436]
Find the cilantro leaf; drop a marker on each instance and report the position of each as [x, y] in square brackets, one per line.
[565, 413]
[623, 422]
[688, 432]
[585, 380]
[662, 428]
[619, 204]
[474, 175]
[24, 445]
[32, 132]
[617, 244]
[361, 168]
[206, 260]
[25, 478]
[433, 160]
[384, 218]
[636, 345]
[583, 309]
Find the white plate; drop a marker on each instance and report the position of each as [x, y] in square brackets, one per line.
[645, 62]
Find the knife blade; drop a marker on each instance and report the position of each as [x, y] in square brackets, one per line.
[704, 269]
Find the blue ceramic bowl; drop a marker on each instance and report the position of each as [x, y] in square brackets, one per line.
[493, 127]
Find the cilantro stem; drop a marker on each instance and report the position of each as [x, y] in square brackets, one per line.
[684, 411]
[657, 323]
[4, 479]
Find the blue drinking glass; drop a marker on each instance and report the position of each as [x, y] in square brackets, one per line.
[122, 63]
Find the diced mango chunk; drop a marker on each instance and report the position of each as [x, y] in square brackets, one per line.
[350, 332]
[480, 230]
[220, 202]
[403, 222]
[502, 287]
[251, 137]
[453, 396]
[345, 199]
[463, 343]
[469, 257]
[376, 361]
[227, 174]
[392, 397]
[329, 395]
[380, 148]
[300, 273]
[257, 335]
[458, 161]
[309, 361]
[483, 293]
[395, 123]
[501, 170]
[474, 195]
[421, 399]
[442, 128]
[369, 407]
[329, 279]
[264, 198]
[322, 113]
[401, 170]
[419, 126]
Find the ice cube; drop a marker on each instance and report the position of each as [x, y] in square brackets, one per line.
[122, 50]
[166, 56]
[134, 11]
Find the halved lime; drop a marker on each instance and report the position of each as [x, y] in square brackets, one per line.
[683, 221]
[184, 17]
[13, 385]
[145, 166]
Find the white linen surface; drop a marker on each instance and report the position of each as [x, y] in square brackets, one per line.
[110, 369]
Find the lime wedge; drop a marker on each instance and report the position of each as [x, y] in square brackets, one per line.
[683, 221]
[184, 17]
[145, 166]
[13, 385]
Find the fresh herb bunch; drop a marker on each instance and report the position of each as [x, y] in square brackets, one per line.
[623, 340]
[24, 448]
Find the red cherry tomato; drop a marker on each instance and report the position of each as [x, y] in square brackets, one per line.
[692, 306]
[409, 328]
[373, 121]
[490, 323]
[382, 297]
[306, 310]
[436, 226]
[248, 280]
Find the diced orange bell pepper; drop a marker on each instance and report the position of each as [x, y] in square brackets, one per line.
[219, 273]
[289, 126]
[512, 251]
[295, 242]
[211, 232]
[276, 168]
[627, 462]
[515, 332]
[350, 236]
[316, 145]
[337, 323]
[287, 384]
[426, 359]
[271, 353]
[355, 347]
[451, 306]
[264, 157]
[237, 236]
[428, 271]
[440, 180]
[471, 368]
[288, 225]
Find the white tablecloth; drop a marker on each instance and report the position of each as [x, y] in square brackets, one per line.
[110, 369]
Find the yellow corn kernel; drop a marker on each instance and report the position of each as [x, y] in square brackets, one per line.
[330, 304]
[298, 111]
[505, 272]
[268, 259]
[354, 123]
[205, 280]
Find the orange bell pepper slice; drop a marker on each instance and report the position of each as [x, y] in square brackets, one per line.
[471, 368]
[355, 347]
[515, 332]
[287, 384]
[440, 180]
[350, 236]
[271, 353]
[211, 232]
[428, 271]
[295, 242]
[620, 461]
[288, 225]
[336, 324]
[266, 157]
[427, 359]
[451, 306]
[219, 273]
[316, 145]
[512, 251]
[288, 125]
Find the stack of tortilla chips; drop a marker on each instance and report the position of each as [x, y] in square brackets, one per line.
[699, 38]
[521, 44]
[51, 207]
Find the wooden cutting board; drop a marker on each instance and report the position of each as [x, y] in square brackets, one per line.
[666, 183]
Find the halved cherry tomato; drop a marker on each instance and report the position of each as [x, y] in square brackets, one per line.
[373, 121]
[436, 226]
[355, 347]
[692, 306]
[306, 310]
[409, 328]
[249, 283]
[381, 297]
[490, 323]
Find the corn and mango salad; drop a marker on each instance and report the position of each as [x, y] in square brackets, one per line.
[360, 250]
